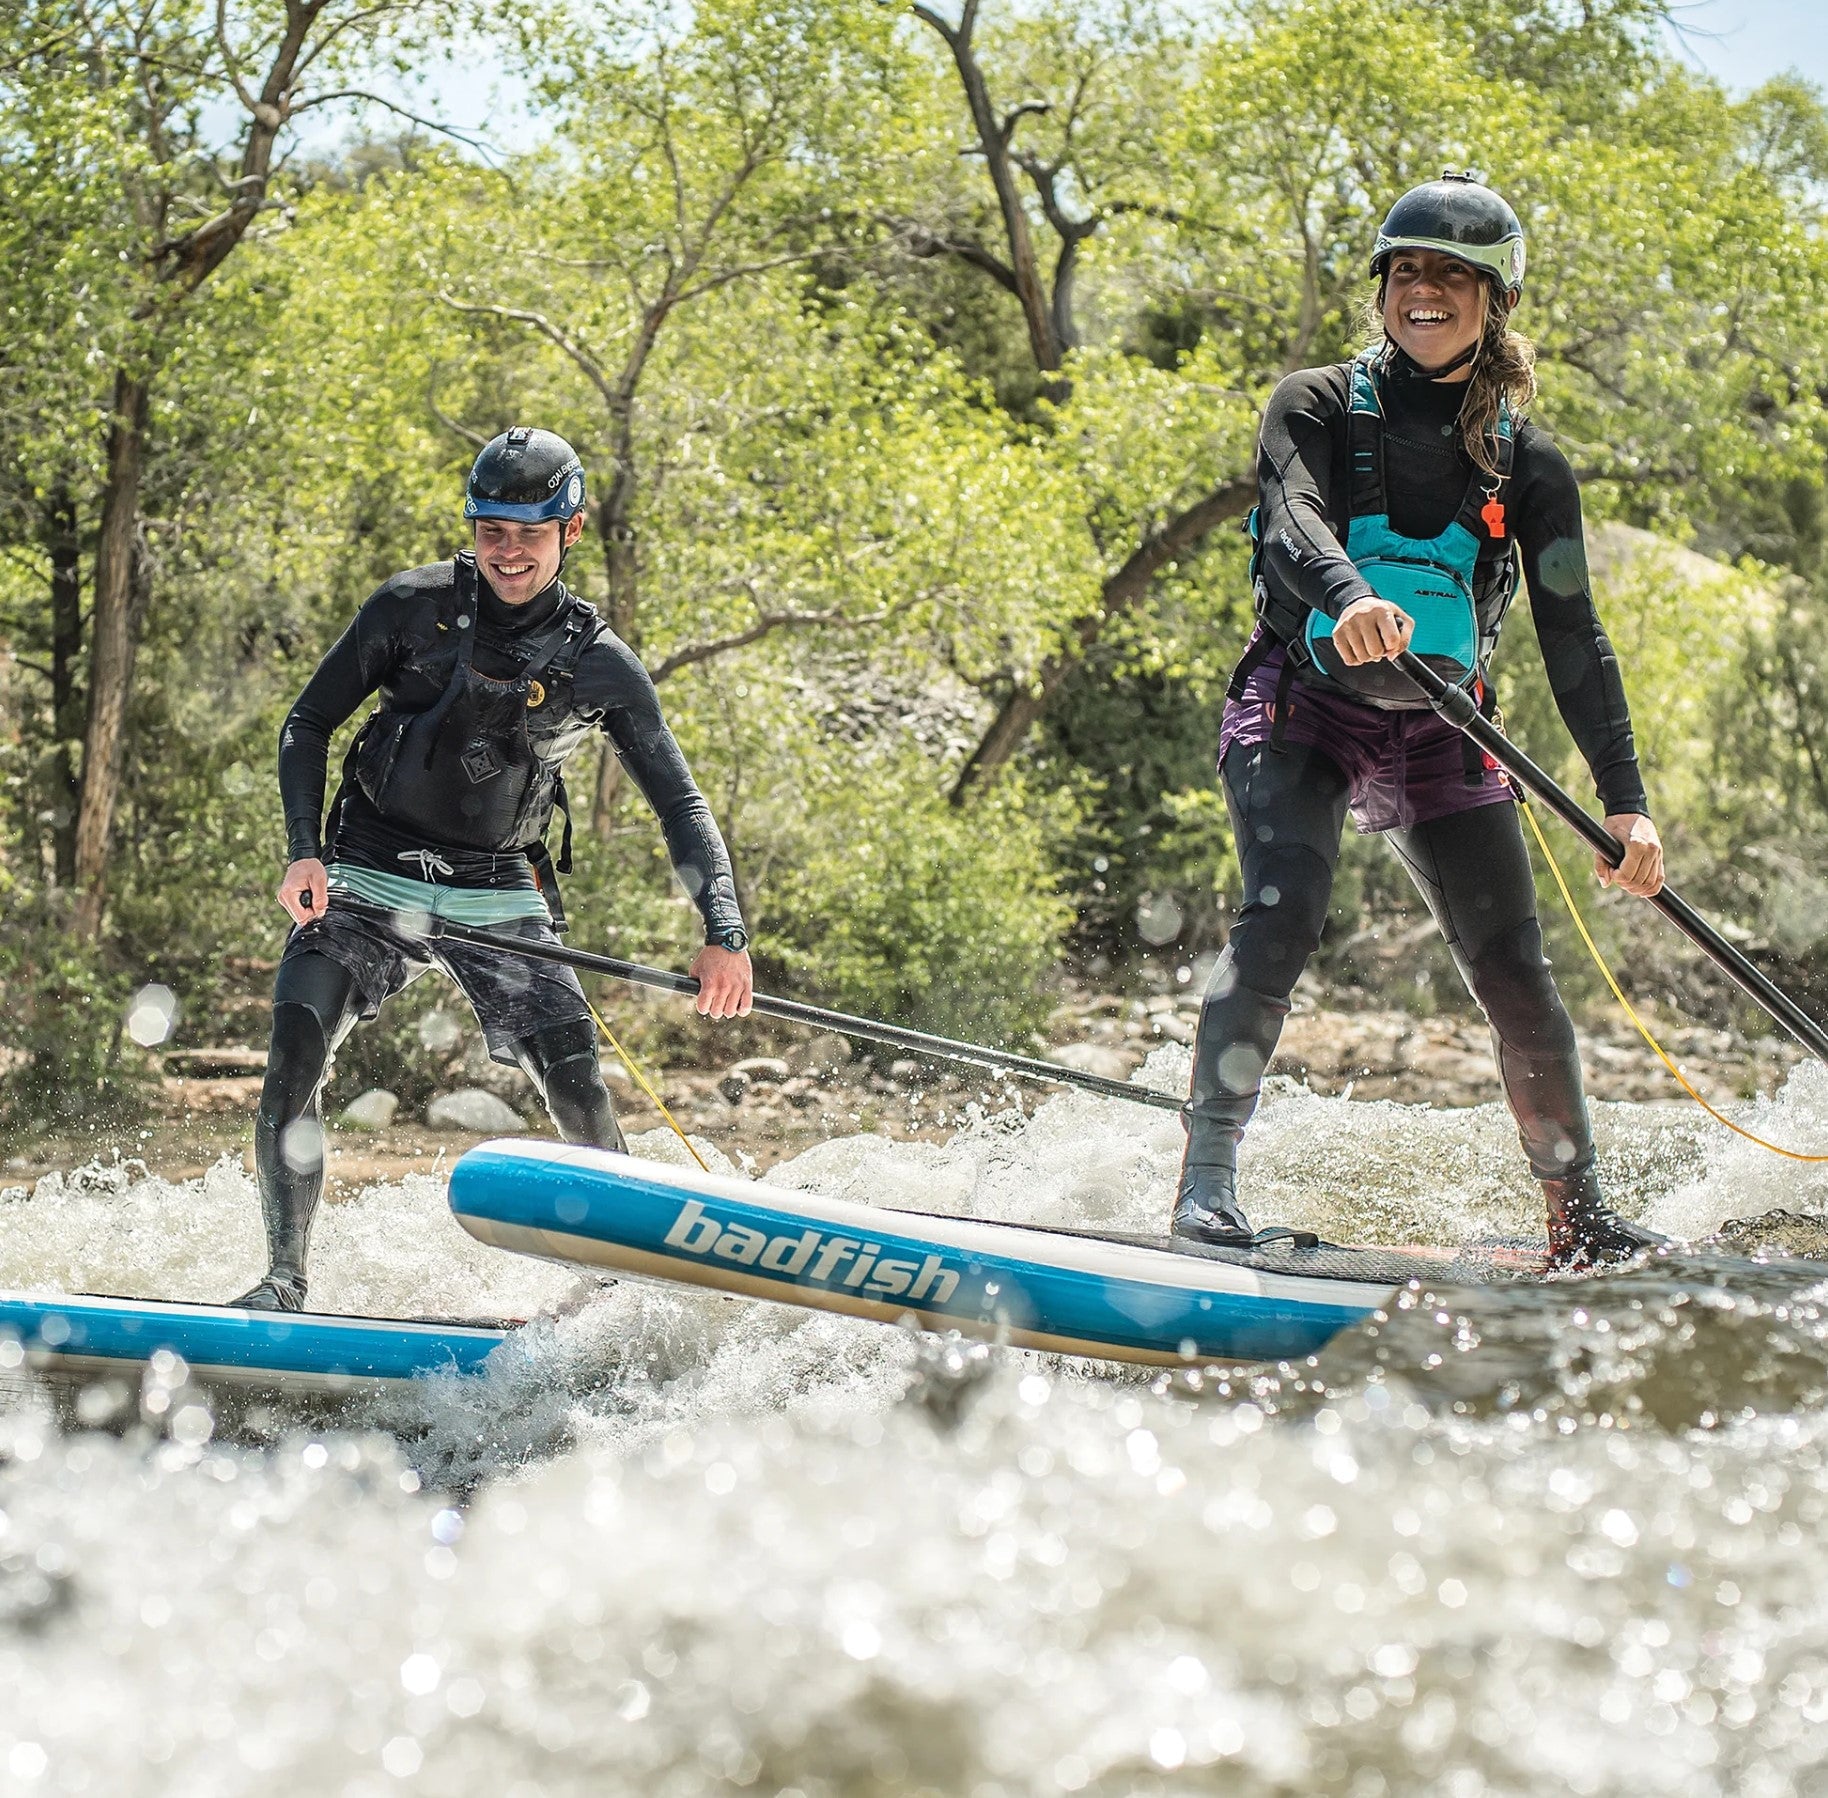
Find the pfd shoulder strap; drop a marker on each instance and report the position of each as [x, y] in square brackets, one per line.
[463, 602]
[1365, 431]
[1484, 511]
[582, 627]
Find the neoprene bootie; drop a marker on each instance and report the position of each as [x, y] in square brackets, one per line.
[273, 1292]
[1584, 1231]
[288, 1201]
[1206, 1205]
[1237, 1035]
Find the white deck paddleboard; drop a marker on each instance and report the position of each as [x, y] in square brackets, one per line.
[89, 1336]
[1071, 1292]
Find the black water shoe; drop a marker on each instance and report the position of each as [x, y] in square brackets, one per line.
[1584, 1231]
[1206, 1208]
[276, 1292]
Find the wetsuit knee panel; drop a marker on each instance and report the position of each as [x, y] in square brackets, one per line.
[298, 1057]
[1288, 891]
[323, 987]
[546, 1050]
[1515, 988]
[562, 1063]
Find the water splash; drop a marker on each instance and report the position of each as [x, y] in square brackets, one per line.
[1494, 1543]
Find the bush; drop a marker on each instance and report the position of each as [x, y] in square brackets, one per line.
[893, 903]
[64, 1055]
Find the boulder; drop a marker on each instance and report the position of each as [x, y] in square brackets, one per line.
[823, 1054]
[1094, 1058]
[374, 1110]
[762, 1070]
[472, 1109]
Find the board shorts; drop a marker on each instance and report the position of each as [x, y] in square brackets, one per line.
[1404, 768]
[512, 996]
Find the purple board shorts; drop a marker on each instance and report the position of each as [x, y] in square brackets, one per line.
[1405, 767]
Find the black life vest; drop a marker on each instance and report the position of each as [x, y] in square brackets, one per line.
[1457, 586]
[480, 765]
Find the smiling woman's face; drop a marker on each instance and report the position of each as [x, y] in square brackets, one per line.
[1434, 307]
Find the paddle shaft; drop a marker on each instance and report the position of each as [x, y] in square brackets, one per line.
[1460, 709]
[790, 1010]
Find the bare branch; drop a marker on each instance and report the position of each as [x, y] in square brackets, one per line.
[1037, 314]
[480, 145]
[349, 22]
[765, 625]
[537, 321]
[917, 240]
[740, 273]
[231, 62]
[1016, 114]
[937, 22]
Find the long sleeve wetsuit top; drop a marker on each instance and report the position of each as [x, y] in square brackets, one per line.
[610, 688]
[1304, 480]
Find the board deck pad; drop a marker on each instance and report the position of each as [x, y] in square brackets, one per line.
[1494, 1263]
[1062, 1289]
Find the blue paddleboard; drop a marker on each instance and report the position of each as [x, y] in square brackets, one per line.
[1067, 1291]
[88, 1336]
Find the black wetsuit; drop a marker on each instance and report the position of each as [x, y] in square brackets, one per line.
[1453, 827]
[404, 645]
[610, 689]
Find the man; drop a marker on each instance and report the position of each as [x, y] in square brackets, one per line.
[490, 675]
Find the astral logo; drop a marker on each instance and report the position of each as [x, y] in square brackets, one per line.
[813, 1254]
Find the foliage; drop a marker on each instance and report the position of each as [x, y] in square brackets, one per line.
[859, 494]
[890, 900]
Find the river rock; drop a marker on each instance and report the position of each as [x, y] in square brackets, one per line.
[374, 1110]
[733, 1085]
[824, 1054]
[1094, 1058]
[762, 1070]
[471, 1109]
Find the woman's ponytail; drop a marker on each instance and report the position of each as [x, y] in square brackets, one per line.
[1504, 371]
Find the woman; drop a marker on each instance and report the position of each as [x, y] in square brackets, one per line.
[1398, 493]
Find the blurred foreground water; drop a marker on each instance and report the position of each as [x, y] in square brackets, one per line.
[1523, 1540]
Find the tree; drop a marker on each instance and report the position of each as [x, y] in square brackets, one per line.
[175, 204]
[1093, 169]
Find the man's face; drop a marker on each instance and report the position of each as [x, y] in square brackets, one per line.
[520, 560]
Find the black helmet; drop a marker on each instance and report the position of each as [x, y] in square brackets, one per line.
[1460, 216]
[525, 474]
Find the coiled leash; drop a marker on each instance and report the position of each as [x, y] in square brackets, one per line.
[1599, 961]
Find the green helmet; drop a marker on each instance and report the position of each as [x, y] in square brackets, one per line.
[1459, 216]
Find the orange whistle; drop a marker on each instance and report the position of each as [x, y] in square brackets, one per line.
[1493, 514]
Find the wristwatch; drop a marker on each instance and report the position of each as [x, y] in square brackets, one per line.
[735, 939]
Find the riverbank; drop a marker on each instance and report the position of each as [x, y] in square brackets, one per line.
[761, 1109]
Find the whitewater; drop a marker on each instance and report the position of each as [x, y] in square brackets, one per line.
[1500, 1542]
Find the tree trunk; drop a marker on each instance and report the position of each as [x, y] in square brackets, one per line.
[113, 642]
[64, 545]
[1121, 591]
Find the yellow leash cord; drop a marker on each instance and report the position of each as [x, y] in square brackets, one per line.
[640, 1079]
[1599, 961]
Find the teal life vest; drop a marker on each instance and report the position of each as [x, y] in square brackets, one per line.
[1457, 586]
